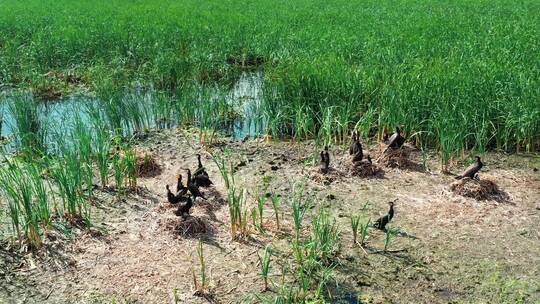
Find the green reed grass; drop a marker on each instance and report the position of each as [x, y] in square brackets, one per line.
[390, 233]
[276, 203]
[298, 215]
[69, 178]
[82, 137]
[225, 168]
[261, 201]
[236, 200]
[364, 232]
[202, 286]
[265, 265]
[129, 166]
[118, 168]
[28, 201]
[459, 87]
[325, 236]
[29, 128]
[254, 221]
[355, 222]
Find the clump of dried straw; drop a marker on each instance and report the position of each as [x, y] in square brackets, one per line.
[392, 157]
[363, 169]
[478, 189]
[189, 226]
[147, 165]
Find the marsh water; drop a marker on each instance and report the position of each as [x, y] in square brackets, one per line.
[60, 117]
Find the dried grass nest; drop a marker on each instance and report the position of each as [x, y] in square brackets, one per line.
[363, 169]
[147, 165]
[479, 189]
[189, 226]
[393, 158]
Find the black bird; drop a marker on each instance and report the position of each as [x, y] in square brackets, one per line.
[396, 140]
[202, 180]
[473, 169]
[325, 160]
[193, 187]
[356, 148]
[173, 199]
[180, 188]
[184, 209]
[200, 176]
[383, 221]
[200, 168]
[369, 160]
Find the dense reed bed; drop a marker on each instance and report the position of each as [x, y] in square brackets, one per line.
[456, 75]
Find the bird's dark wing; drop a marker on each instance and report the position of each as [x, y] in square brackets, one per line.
[471, 171]
[400, 141]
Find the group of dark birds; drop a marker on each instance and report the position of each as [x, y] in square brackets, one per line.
[189, 193]
[395, 141]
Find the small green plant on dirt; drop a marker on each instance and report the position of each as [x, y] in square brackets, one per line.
[117, 165]
[176, 299]
[254, 218]
[298, 215]
[225, 168]
[202, 286]
[261, 200]
[364, 232]
[325, 236]
[355, 221]
[276, 202]
[236, 200]
[129, 165]
[312, 262]
[388, 237]
[265, 265]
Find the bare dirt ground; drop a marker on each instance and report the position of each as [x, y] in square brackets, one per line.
[450, 249]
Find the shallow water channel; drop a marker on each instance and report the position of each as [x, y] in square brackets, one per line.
[60, 117]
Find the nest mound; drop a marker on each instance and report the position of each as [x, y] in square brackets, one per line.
[364, 169]
[478, 189]
[189, 226]
[394, 158]
[147, 165]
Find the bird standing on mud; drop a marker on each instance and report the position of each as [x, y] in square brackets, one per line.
[396, 140]
[473, 169]
[356, 148]
[183, 210]
[180, 188]
[325, 160]
[193, 187]
[200, 168]
[368, 160]
[171, 198]
[200, 176]
[383, 221]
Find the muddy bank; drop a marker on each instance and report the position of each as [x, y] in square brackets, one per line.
[448, 248]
